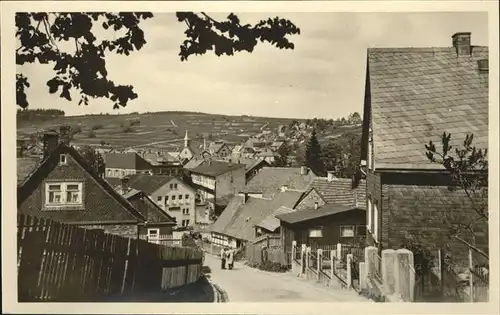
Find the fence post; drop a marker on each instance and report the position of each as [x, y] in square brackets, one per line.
[388, 270]
[441, 270]
[332, 265]
[339, 251]
[406, 281]
[303, 260]
[362, 276]
[294, 254]
[349, 271]
[471, 277]
[319, 262]
[308, 257]
[370, 261]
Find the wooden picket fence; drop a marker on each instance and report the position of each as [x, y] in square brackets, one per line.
[65, 263]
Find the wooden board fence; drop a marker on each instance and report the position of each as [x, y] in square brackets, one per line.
[58, 262]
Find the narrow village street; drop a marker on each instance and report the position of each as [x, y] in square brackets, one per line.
[245, 284]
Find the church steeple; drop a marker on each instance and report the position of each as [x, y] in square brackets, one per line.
[186, 140]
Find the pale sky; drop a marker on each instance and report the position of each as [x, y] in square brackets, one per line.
[322, 77]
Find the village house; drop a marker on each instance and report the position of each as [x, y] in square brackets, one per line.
[122, 164]
[170, 194]
[161, 164]
[158, 225]
[62, 187]
[332, 196]
[404, 108]
[216, 182]
[322, 226]
[219, 149]
[236, 225]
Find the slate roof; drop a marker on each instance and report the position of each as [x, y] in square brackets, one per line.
[25, 166]
[48, 164]
[148, 208]
[238, 220]
[271, 223]
[216, 168]
[127, 160]
[193, 163]
[419, 93]
[339, 191]
[326, 210]
[270, 179]
[148, 183]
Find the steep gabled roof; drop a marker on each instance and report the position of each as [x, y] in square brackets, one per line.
[50, 162]
[25, 166]
[148, 208]
[270, 179]
[148, 183]
[126, 160]
[419, 93]
[339, 191]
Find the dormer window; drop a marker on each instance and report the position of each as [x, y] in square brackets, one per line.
[63, 159]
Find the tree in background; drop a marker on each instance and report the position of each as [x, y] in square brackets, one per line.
[354, 118]
[313, 155]
[343, 154]
[283, 154]
[94, 159]
[82, 69]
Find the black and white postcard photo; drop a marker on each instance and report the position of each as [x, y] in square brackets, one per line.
[223, 157]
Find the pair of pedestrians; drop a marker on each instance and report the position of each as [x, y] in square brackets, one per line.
[227, 258]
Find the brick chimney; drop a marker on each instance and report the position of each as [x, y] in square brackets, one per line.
[304, 170]
[461, 42]
[125, 185]
[50, 142]
[65, 134]
[331, 176]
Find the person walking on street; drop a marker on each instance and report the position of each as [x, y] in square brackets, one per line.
[223, 258]
[230, 259]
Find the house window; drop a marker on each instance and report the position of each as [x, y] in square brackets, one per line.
[375, 222]
[159, 198]
[186, 197]
[173, 197]
[185, 211]
[63, 159]
[166, 199]
[316, 232]
[347, 231]
[57, 194]
[185, 223]
[180, 197]
[54, 194]
[110, 173]
[153, 233]
[361, 230]
[370, 210]
[175, 186]
[171, 186]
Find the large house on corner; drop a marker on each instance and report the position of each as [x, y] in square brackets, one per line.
[216, 182]
[119, 165]
[170, 194]
[412, 96]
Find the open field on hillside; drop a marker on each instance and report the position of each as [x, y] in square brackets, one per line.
[164, 129]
